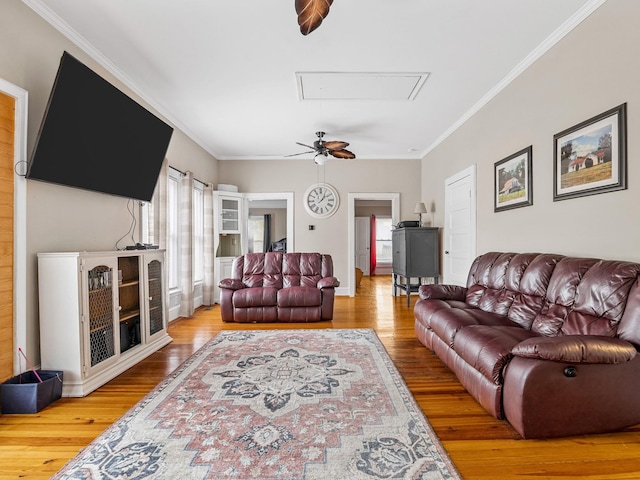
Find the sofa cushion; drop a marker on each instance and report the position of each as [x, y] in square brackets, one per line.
[299, 297]
[256, 314]
[300, 314]
[255, 297]
[576, 349]
[442, 292]
[301, 269]
[601, 298]
[261, 270]
[425, 308]
[488, 348]
[561, 294]
[231, 284]
[586, 296]
[510, 284]
[528, 275]
[446, 323]
[328, 282]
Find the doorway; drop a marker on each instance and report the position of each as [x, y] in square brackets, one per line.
[279, 208]
[14, 325]
[393, 198]
[373, 237]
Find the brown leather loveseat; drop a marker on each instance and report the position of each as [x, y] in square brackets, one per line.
[545, 341]
[276, 286]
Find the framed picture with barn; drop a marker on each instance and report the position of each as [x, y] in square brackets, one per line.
[591, 157]
[513, 181]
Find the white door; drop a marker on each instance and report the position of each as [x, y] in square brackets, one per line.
[363, 242]
[459, 226]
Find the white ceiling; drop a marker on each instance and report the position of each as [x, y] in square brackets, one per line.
[227, 73]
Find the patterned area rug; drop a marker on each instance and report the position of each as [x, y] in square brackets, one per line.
[288, 404]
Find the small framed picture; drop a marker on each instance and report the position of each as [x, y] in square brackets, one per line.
[591, 157]
[513, 181]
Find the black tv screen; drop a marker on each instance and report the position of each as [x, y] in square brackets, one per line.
[95, 137]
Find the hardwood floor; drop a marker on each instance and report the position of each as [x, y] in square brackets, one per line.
[482, 448]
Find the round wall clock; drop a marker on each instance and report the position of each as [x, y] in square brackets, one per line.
[321, 200]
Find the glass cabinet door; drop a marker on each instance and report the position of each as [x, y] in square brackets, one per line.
[155, 297]
[230, 214]
[101, 316]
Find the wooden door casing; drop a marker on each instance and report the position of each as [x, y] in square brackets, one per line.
[7, 155]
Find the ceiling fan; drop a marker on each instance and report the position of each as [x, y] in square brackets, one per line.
[323, 149]
[311, 13]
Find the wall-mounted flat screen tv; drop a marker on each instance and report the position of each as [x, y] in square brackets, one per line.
[95, 137]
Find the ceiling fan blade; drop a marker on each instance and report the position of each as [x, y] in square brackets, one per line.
[343, 154]
[301, 153]
[308, 146]
[335, 145]
[311, 13]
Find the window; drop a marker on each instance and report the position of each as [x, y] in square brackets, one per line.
[198, 231]
[383, 240]
[255, 233]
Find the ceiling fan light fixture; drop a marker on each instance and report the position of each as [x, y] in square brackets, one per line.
[320, 159]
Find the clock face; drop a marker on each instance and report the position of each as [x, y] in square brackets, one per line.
[321, 200]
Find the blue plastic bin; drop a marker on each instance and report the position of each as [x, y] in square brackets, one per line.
[24, 393]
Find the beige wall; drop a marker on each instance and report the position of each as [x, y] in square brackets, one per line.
[593, 69]
[347, 176]
[63, 218]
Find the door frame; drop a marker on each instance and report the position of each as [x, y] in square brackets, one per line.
[351, 228]
[288, 197]
[21, 97]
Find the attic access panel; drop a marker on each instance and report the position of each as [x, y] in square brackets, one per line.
[359, 85]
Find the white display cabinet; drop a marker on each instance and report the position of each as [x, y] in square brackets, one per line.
[100, 314]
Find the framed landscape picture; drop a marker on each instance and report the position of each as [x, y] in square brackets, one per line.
[513, 181]
[591, 157]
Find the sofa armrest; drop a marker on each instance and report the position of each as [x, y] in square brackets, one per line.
[231, 284]
[579, 349]
[328, 282]
[442, 292]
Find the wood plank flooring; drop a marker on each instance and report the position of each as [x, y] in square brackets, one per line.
[482, 448]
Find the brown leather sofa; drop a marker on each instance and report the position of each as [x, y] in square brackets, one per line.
[545, 341]
[276, 286]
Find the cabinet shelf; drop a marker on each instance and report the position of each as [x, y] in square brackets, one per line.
[100, 328]
[129, 283]
[126, 315]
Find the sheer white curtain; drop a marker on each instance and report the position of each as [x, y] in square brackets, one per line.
[186, 245]
[157, 213]
[207, 283]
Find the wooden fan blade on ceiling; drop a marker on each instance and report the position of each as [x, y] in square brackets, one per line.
[335, 145]
[311, 13]
[342, 154]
